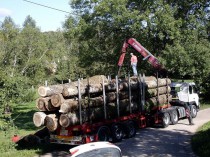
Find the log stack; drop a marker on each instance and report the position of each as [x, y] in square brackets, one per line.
[84, 100]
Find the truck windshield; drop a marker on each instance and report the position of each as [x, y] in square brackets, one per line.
[102, 152]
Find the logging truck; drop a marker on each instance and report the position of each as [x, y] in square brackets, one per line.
[103, 109]
[109, 111]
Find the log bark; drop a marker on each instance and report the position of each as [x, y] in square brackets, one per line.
[72, 118]
[45, 91]
[153, 102]
[51, 122]
[150, 82]
[112, 96]
[69, 105]
[97, 79]
[161, 82]
[39, 119]
[73, 90]
[94, 83]
[154, 91]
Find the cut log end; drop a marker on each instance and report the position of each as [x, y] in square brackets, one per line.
[42, 91]
[57, 100]
[64, 120]
[39, 119]
[51, 122]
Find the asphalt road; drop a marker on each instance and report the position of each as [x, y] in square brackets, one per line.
[173, 141]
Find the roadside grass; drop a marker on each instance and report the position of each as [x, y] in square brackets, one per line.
[204, 104]
[20, 122]
[201, 141]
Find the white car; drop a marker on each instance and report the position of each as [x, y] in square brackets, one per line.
[96, 149]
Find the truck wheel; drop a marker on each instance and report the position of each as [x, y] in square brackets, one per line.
[174, 117]
[103, 134]
[165, 119]
[193, 111]
[130, 129]
[117, 133]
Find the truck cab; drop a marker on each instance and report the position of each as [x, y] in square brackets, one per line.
[183, 92]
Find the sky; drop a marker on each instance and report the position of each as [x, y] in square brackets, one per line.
[46, 19]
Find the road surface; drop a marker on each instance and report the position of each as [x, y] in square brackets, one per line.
[173, 141]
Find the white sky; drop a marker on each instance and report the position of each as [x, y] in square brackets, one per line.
[46, 19]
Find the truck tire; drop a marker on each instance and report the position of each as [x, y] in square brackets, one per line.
[117, 133]
[193, 111]
[103, 133]
[165, 120]
[130, 129]
[174, 117]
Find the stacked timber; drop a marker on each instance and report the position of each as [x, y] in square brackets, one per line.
[95, 99]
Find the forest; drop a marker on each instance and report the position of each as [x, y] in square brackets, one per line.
[177, 32]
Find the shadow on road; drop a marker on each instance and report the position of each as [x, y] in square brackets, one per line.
[148, 142]
[158, 142]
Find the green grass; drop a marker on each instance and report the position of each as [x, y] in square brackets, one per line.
[23, 125]
[204, 105]
[22, 118]
[201, 141]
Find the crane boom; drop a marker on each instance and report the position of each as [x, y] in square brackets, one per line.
[143, 51]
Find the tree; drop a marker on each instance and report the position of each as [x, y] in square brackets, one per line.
[173, 31]
[29, 21]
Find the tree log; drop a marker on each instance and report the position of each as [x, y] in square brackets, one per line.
[68, 119]
[44, 91]
[39, 119]
[150, 82]
[152, 102]
[57, 100]
[69, 105]
[44, 104]
[112, 96]
[161, 82]
[51, 122]
[40, 103]
[154, 91]
[72, 118]
[94, 83]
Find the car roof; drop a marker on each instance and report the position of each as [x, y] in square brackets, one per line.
[92, 146]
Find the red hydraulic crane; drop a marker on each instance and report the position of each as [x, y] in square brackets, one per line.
[143, 51]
